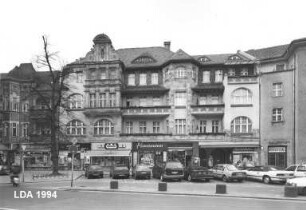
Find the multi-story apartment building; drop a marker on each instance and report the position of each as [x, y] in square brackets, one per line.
[151, 104]
[282, 102]
[22, 118]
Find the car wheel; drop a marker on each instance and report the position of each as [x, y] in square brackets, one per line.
[224, 178]
[266, 179]
[189, 178]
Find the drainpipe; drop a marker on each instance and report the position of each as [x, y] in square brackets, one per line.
[294, 111]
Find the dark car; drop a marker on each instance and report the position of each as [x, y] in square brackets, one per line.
[119, 171]
[169, 170]
[198, 173]
[4, 169]
[142, 171]
[94, 171]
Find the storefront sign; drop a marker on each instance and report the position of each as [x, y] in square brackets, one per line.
[244, 150]
[111, 146]
[150, 146]
[277, 149]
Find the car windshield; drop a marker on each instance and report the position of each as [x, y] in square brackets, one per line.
[95, 167]
[231, 168]
[142, 167]
[274, 168]
[174, 165]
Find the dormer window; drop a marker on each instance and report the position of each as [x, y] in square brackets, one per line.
[231, 72]
[244, 72]
[204, 59]
[143, 60]
[234, 58]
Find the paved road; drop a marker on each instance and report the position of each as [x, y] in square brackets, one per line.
[117, 200]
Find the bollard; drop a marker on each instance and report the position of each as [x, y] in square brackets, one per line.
[291, 191]
[220, 189]
[114, 184]
[162, 186]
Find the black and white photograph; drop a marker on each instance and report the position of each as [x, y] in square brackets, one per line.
[152, 104]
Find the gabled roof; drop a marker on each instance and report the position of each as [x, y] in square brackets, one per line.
[25, 71]
[268, 53]
[180, 55]
[159, 54]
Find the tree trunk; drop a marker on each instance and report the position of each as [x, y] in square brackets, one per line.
[54, 143]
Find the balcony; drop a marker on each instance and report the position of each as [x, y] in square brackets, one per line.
[101, 111]
[102, 82]
[146, 111]
[131, 90]
[207, 134]
[208, 109]
[145, 134]
[243, 80]
[209, 88]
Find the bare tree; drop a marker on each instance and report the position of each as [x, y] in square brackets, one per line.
[50, 88]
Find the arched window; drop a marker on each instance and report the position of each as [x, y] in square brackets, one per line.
[241, 125]
[75, 101]
[104, 127]
[242, 96]
[75, 127]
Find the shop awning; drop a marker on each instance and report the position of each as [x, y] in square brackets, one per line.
[110, 153]
[3, 147]
[227, 144]
[179, 148]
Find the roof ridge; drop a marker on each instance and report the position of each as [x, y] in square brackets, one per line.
[132, 48]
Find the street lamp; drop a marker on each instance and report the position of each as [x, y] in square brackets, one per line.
[23, 147]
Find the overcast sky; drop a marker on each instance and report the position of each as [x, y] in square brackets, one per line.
[196, 26]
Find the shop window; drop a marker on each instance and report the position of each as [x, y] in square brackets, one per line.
[241, 125]
[103, 127]
[277, 156]
[242, 96]
[75, 127]
[180, 126]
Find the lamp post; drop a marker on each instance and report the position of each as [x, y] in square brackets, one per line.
[23, 147]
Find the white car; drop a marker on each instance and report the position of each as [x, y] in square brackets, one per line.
[268, 174]
[299, 170]
[300, 183]
[228, 172]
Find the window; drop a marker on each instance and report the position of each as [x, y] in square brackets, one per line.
[180, 99]
[218, 76]
[277, 115]
[280, 67]
[143, 79]
[92, 102]
[102, 100]
[103, 74]
[92, 74]
[206, 76]
[242, 96]
[113, 74]
[167, 126]
[15, 105]
[129, 102]
[103, 127]
[234, 57]
[154, 79]
[204, 59]
[6, 129]
[277, 89]
[75, 127]
[156, 101]
[156, 127]
[79, 77]
[112, 99]
[202, 127]
[244, 72]
[131, 79]
[143, 101]
[42, 129]
[129, 127]
[25, 107]
[241, 125]
[75, 101]
[231, 72]
[214, 99]
[180, 126]
[142, 127]
[203, 100]
[180, 72]
[277, 156]
[215, 126]
[25, 129]
[14, 129]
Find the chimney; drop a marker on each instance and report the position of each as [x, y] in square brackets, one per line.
[167, 45]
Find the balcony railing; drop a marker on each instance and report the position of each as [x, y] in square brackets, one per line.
[207, 134]
[243, 80]
[102, 82]
[146, 111]
[145, 134]
[208, 109]
[99, 111]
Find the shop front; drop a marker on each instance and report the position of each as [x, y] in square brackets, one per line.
[36, 157]
[277, 156]
[109, 154]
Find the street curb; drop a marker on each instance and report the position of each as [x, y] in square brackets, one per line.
[182, 194]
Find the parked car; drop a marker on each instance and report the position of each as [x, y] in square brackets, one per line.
[198, 173]
[300, 183]
[94, 171]
[141, 171]
[119, 171]
[268, 174]
[299, 170]
[4, 169]
[170, 170]
[228, 172]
